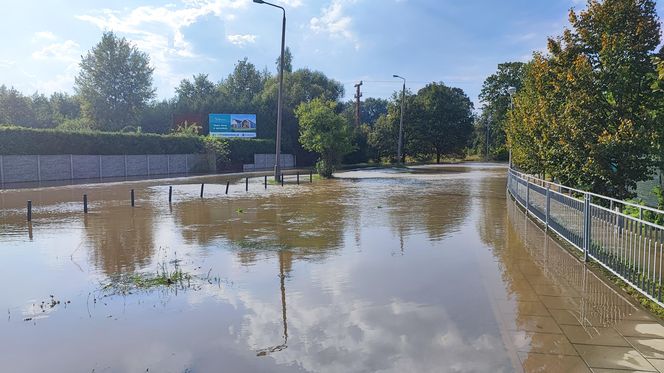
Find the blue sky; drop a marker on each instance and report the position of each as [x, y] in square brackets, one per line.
[459, 42]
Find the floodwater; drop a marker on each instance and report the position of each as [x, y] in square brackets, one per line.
[427, 270]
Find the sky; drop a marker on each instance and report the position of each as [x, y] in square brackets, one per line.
[458, 42]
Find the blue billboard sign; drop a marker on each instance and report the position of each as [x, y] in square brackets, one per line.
[233, 125]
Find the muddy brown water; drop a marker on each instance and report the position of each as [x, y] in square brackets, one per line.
[431, 269]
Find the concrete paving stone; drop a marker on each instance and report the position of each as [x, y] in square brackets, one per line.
[554, 344]
[604, 370]
[658, 364]
[637, 328]
[614, 357]
[578, 334]
[566, 317]
[651, 348]
[534, 362]
[540, 324]
[561, 303]
[555, 290]
[526, 308]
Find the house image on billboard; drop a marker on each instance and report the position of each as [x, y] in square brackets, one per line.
[243, 124]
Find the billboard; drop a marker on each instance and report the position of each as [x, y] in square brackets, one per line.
[233, 125]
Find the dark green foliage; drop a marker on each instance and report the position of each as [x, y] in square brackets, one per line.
[114, 83]
[242, 150]
[18, 140]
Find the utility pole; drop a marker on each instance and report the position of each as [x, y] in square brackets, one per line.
[357, 105]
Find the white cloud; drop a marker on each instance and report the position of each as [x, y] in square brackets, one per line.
[240, 39]
[159, 30]
[43, 35]
[290, 3]
[68, 51]
[334, 22]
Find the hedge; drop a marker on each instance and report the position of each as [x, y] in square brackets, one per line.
[27, 141]
[23, 141]
[243, 150]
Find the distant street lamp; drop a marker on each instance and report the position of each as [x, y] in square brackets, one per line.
[277, 164]
[511, 91]
[403, 96]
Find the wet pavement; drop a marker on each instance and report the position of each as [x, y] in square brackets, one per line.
[430, 269]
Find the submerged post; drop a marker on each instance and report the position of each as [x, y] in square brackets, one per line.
[202, 187]
[29, 211]
[548, 205]
[527, 196]
[246, 184]
[298, 178]
[282, 179]
[132, 198]
[227, 184]
[170, 194]
[311, 176]
[265, 181]
[85, 203]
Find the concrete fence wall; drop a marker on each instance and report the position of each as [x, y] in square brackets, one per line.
[29, 168]
[267, 162]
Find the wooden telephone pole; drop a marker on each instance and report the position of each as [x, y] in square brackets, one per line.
[357, 105]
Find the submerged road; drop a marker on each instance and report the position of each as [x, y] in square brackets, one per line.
[432, 269]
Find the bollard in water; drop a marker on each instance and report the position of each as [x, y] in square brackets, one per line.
[29, 210]
[311, 176]
[282, 179]
[132, 198]
[265, 182]
[85, 203]
[246, 184]
[202, 186]
[227, 184]
[170, 194]
[298, 178]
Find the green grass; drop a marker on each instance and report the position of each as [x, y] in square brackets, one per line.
[164, 277]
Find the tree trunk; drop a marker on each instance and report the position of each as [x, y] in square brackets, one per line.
[437, 157]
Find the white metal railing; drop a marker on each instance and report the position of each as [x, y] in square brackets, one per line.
[629, 247]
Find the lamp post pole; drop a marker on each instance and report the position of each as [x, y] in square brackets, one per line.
[277, 163]
[511, 91]
[403, 99]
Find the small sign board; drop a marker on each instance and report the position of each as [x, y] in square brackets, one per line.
[233, 125]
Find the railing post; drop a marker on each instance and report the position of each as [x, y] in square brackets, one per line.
[548, 205]
[527, 196]
[586, 226]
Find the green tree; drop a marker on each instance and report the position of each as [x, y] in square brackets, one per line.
[587, 111]
[196, 96]
[495, 105]
[325, 132]
[443, 120]
[15, 108]
[114, 83]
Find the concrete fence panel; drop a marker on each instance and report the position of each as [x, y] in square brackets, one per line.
[177, 163]
[55, 167]
[86, 166]
[20, 168]
[113, 166]
[137, 165]
[158, 164]
[36, 168]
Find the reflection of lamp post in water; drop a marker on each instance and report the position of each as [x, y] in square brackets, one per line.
[282, 278]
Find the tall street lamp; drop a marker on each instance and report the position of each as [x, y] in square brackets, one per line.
[403, 95]
[277, 164]
[511, 91]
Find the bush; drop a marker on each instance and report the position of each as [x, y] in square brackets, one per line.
[243, 150]
[28, 141]
[22, 141]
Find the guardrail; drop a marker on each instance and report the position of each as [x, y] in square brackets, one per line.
[629, 247]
